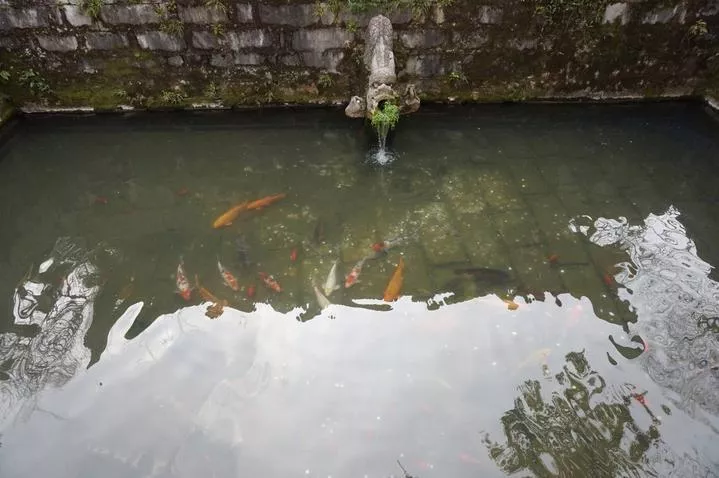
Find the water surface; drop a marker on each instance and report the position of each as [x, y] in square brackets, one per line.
[559, 311]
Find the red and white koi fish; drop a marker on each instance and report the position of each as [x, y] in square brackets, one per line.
[227, 276]
[270, 282]
[183, 285]
[352, 277]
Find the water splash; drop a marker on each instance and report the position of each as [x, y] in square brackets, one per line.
[381, 155]
[668, 286]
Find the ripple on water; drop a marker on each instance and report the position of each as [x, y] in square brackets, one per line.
[669, 287]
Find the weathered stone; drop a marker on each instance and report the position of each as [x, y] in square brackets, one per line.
[27, 18]
[293, 15]
[248, 59]
[203, 15]
[424, 66]
[249, 39]
[473, 39]
[205, 40]
[422, 39]
[490, 15]
[129, 14]
[290, 60]
[160, 41]
[322, 39]
[665, 15]
[617, 11]
[523, 44]
[400, 17]
[328, 60]
[76, 17]
[244, 13]
[61, 44]
[222, 60]
[105, 41]
[175, 61]
[711, 8]
[7, 43]
[438, 14]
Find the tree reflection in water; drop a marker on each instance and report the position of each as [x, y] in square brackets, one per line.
[583, 429]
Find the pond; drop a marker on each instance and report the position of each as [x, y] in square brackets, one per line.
[557, 307]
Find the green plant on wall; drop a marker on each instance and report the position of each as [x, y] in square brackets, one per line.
[35, 82]
[172, 97]
[698, 29]
[218, 4]
[91, 7]
[417, 6]
[385, 118]
[169, 22]
[325, 80]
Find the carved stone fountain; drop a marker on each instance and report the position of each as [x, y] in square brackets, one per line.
[379, 61]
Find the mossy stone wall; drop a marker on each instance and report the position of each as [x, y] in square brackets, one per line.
[139, 53]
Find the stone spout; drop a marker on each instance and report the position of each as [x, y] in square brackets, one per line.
[382, 76]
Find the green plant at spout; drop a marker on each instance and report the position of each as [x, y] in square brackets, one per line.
[385, 118]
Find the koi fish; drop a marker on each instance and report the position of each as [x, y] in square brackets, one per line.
[553, 259]
[352, 277]
[183, 285]
[511, 305]
[270, 282]
[215, 310]
[251, 291]
[386, 245]
[265, 201]
[230, 215]
[608, 280]
[391, 293]
[322, 300]
[206, 295]
[228, 277]
[100, 200]
[331, 284]
[293, 255]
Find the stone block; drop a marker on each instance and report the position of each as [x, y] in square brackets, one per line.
[28, 18]
[175, 61]
[666, 15]
[160, 41]
[489, 15]
[76, 17]
[203, 15]
[292, 15]
[424, 66]
[222, 60]
[248, 59]
[617, 11]
[205, 40]
[328, 60]
[422, 38]
[249, 39]
[244, 13]
[129, 14]
[321, 39]
[105, 41]
[60, 44]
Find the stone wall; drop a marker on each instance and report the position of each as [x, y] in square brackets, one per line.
[139, 53]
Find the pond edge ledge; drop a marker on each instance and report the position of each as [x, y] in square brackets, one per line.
[7, 115]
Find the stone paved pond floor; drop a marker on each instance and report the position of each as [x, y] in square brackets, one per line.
[530, 235]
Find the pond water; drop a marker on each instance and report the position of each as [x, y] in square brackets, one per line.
[558, 314]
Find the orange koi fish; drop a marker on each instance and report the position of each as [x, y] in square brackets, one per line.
[228, 277]
[230, 215]
[251, 291]
[270, 282]
[391, 293]
[204, 293]
[293, 255]
[511, 304]
[265, 201]
[352, 277]
[183, 285]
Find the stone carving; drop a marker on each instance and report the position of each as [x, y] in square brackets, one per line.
[379, 61]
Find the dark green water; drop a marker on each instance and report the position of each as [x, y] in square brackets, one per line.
[600, 223]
